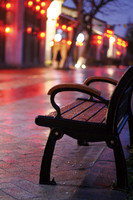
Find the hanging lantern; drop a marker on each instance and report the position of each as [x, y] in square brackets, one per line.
[42, 12]
[69, 28]
[42, 34]
[8, 6]
[43, 4]
[69, 42]
[30, 4]
[64, 27]
[8, 29]
[29, 30]
[37, 8]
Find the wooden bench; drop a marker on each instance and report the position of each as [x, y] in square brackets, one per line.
[92, 119]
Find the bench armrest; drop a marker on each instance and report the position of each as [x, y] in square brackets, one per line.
[73, 87]
[100, 79]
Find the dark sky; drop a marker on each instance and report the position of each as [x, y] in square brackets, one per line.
[121, 16]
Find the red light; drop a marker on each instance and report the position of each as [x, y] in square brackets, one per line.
[109, 33]
[64, 27]
[63, 41]
[8, 30]
[118, 53]
[8, 6]
[37, 8]
[69, 42]
[69, 28]
[79, 44]
[30, 4]
[42, 34]
[42, 12]
[43, 4]
[97, 39]
[57, 24]
[29, 30]
[119, 41]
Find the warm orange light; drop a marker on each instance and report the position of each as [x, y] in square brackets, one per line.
[119, 41]
[109, 33]
[37, 8]
[8, 30]
[8, 6]
[30, 3]
[43, 4]
[52, 43]
[63, 41]
[69, 42]
[57, 24]
[64, 27]
[42, 34]
[29, 30]
[99, 37]
[79, 44]
[99, 41]
[118, 53]
[69, 28]
[37, 1]
[42, 12]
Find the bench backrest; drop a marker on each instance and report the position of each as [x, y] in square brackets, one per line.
[120, 104]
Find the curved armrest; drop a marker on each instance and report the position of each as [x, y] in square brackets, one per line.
[100, 79]
[73, 87]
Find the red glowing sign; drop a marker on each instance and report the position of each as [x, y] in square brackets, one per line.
[97, 39]
[121, 42]
[109, 33]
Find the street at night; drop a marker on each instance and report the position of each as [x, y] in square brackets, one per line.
[81, 172]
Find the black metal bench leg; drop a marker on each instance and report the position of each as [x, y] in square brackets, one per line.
[46, 160]
[130, 124]
[121, 168]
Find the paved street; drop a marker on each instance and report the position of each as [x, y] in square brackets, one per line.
[81, 173]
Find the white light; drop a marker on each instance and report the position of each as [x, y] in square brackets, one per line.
[58, 37]
[112, 39]
[83, 66]
[80, 37]
[54, 10]
[77, 66]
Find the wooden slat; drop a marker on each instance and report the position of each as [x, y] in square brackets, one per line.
[79, 109]
[67, 107]
[88, 113]
[99, 117]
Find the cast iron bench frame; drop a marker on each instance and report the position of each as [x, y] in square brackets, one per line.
[116, 111]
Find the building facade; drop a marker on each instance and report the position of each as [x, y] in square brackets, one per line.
[22, 32]
[27, 31]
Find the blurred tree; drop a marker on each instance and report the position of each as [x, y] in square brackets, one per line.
[87, 9]
[129, 37]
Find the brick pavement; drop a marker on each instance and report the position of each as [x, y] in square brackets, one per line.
[82, 173]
